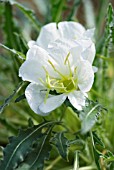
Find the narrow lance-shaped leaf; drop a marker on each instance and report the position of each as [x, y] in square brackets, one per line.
[7, 101]
[20, 98]
[97, 140]
[28, 13]
[97, 154]
[19, 146]
[20, 54]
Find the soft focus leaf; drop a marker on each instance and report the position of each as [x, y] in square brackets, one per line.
[39, 153]
[20, 98]
[28, 13]
[96, 153]
[7, 101]
[20, 55]
[89, 116]
[16, 151]
[61, 142]
[97, 140]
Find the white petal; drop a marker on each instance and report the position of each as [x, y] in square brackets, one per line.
[35, 95]
[70, 30]
[37, 53]
[89, 53]
[33, 68]
[76, 55]
[32, 71]
[85, 76]
[47, 34]
[52, 103]
[31, 43]
[89, 33]
[77, 99]
[59, 51]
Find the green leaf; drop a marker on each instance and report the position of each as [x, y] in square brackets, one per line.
[97, 154]
[5, 122]
[109, 30]
[57, 7]
[18, 148]
[70, 119]
[97, 140]
[73, 10]
[8, 100]
[76, 144]
[39, 153]
[20, 54]
[89, 116]
[109, 157]
[61, 142]
[9, 27]
[20, 98]
[89, 13]
[28, 13]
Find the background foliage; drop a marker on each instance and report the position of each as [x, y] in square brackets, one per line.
[21, 21]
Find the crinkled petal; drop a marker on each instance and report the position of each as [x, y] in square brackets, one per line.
[52, 103]
[37, 53]
[48, 33]
[32, 71]
[89, 33]
[33, 68]
[32, 43]
[59, 50]
[70, 30]
[85, 76]
[89, 53]
[35, 95]
[77, 99]
[76, 55]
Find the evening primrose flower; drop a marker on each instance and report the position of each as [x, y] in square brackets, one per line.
[67, 30]
[56, 75]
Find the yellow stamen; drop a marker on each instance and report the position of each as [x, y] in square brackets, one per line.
[55, 69]
[66, 59]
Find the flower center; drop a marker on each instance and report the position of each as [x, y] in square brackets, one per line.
[64, 84]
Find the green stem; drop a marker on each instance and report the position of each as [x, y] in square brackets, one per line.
[93, 146]
[76, 161]
[92, 167]
[85, 159]
[104, 58]
[53, 163]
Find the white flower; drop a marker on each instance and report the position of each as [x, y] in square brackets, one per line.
[56, 74]
[67, 31]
